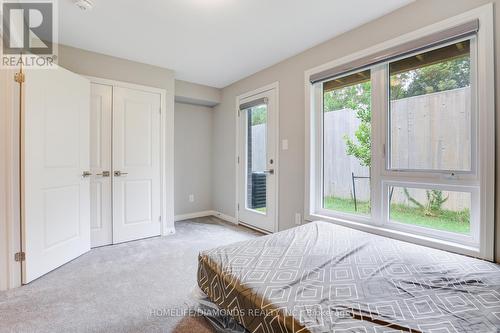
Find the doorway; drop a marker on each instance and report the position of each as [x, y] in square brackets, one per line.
[258, 158]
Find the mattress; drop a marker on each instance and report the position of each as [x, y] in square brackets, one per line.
[322, 277]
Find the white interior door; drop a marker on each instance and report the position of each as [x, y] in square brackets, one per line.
[56, 223]
[136, 164]
[257, 174]
[101, 104]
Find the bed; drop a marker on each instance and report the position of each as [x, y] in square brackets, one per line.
[322, 277]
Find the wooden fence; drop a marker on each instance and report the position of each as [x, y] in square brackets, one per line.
[259, 148]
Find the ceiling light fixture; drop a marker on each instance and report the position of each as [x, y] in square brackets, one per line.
[84, 5]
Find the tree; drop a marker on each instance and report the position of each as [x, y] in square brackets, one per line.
[361, 103]
[442, 76]
[259, 115]
[358, 98]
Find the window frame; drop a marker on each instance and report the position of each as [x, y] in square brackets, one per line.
[471, 239]
[320, 166]
[477, 181]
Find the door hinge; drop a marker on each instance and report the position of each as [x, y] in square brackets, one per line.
[238, 206]
[238, 160]
[19, 77]
[20, 256]
[159, 218]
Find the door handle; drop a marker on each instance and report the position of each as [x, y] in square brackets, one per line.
[269, 172]
[118, 173]
[86, 174]
[103, 174]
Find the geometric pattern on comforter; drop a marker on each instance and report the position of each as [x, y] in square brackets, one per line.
[322, 277]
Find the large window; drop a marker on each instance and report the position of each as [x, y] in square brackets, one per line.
[401, 144]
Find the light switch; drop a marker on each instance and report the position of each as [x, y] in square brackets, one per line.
[284, 144]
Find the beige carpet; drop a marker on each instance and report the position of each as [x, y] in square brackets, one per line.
[141, 286]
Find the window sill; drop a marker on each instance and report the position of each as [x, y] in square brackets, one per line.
[400, 235]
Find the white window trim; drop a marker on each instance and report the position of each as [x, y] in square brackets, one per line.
[470, 240]
[485, 98]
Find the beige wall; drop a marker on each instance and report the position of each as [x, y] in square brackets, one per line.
[193, 158]
[196, 94]
[290, 74]
[107, 67]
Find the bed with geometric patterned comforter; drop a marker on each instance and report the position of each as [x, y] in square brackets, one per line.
[322, 277]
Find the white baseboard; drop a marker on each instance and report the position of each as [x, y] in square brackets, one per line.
[222, 216]
[255, 228]
[225, 217]
[194, 215]
[169, 231]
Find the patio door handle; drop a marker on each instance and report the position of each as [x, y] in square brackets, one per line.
[269, 172]
[119, 173]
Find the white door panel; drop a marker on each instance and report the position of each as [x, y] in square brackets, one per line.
[257, 174]
[101, 104]
[136, 164]
[56, 222]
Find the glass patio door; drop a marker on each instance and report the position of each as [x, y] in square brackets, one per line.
[257, 174]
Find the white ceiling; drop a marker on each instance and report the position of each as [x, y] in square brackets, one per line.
[212, 42]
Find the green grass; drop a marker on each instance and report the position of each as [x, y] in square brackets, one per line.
[261, 210]
[346, 205]
[447, 220]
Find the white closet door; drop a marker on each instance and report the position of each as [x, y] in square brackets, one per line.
[101, 224]
[56, 222]
[136, 164]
